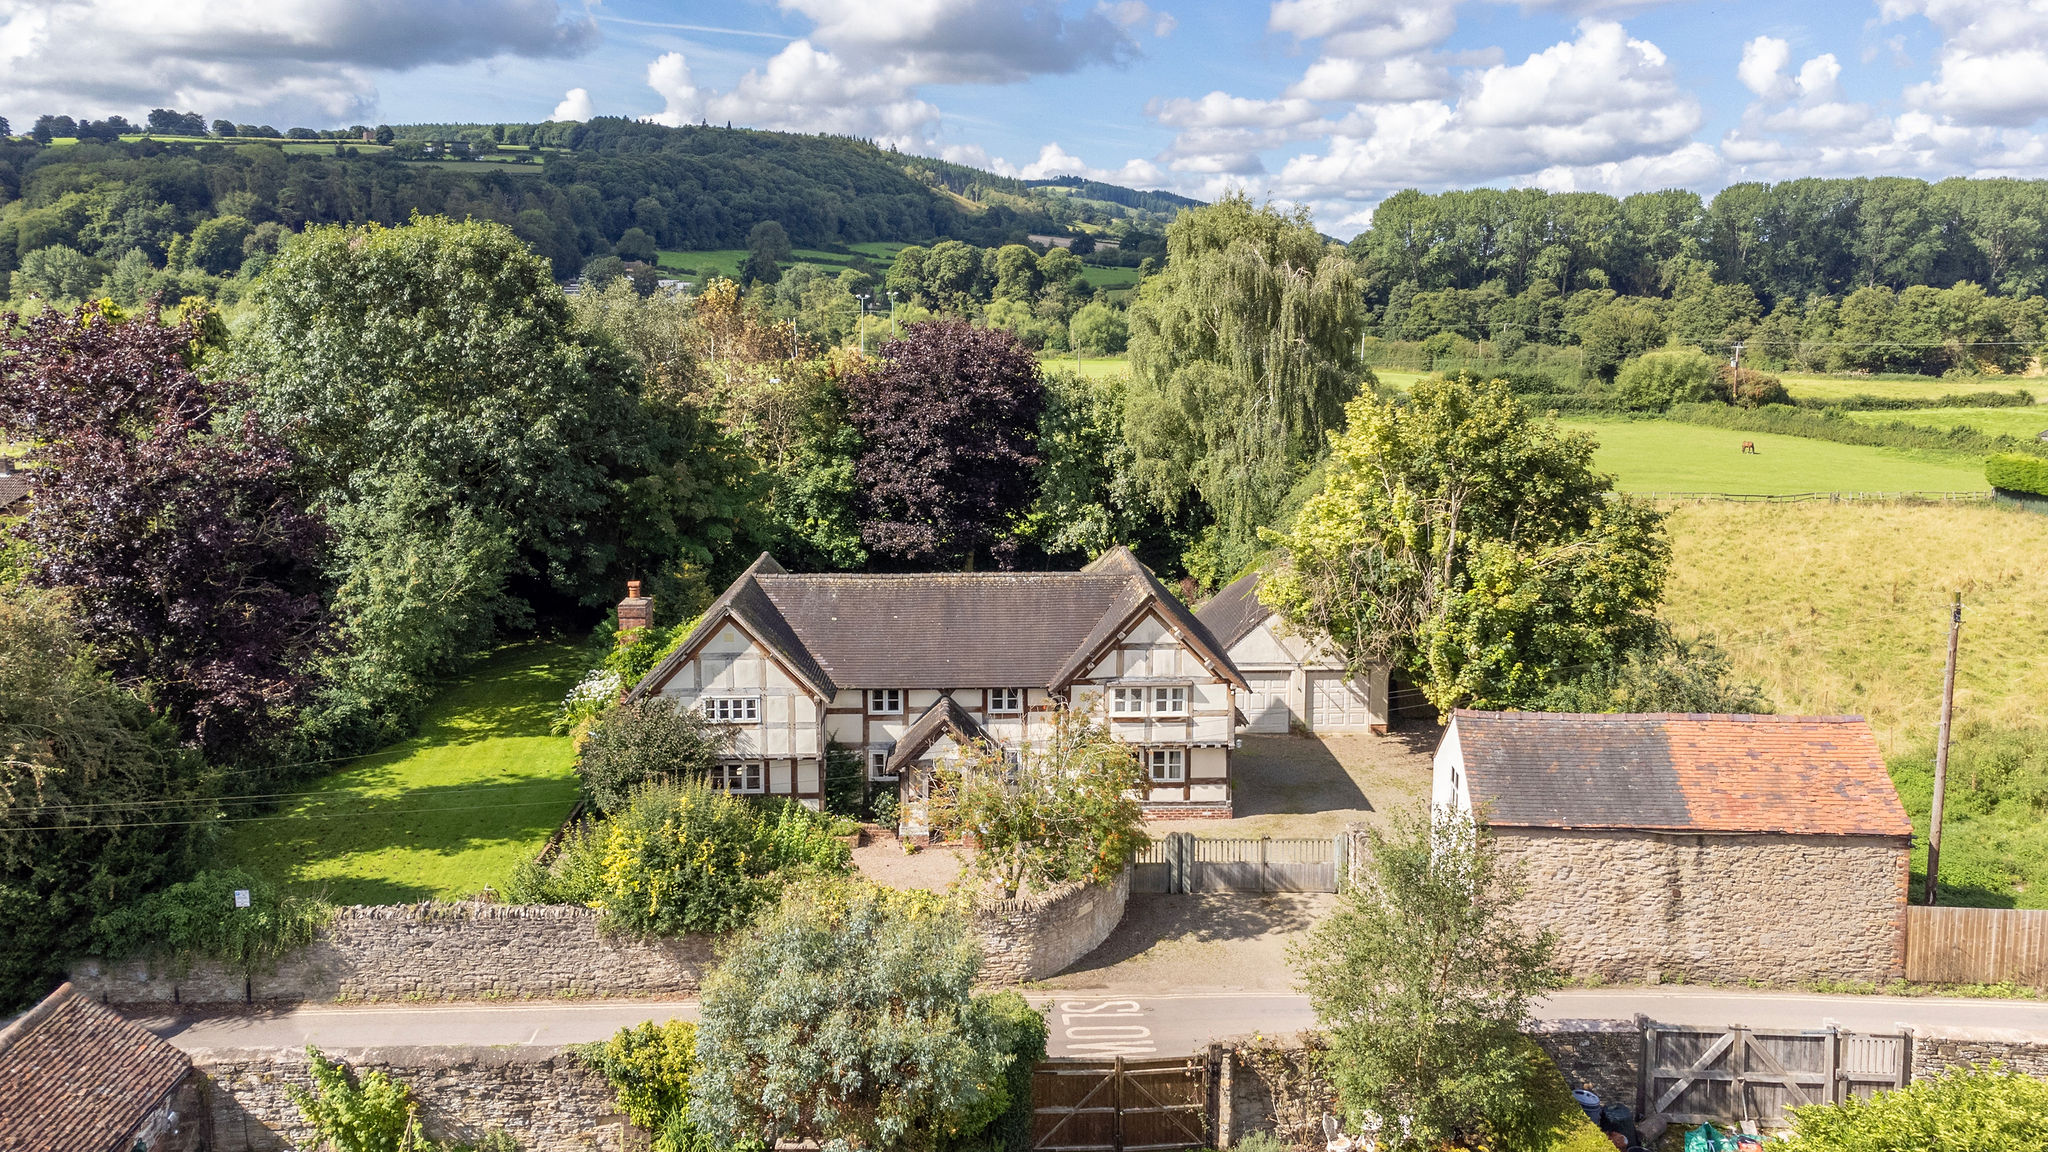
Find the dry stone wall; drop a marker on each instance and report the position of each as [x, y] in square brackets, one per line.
[1632, 907]
[1033, 937]
[436, 951]
[1935, 1054]
[544, 1098]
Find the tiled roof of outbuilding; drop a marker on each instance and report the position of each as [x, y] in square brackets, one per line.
[13, 490]
[1230, 615]
[77, 1077]
[1818, 775]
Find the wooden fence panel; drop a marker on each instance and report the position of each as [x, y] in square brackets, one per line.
[1977, 946]
[1120, 1105]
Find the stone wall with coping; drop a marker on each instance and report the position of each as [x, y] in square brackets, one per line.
[1639, 907]
[1032, 937]
[545, 1098]
[432, 951]
[1935, 1053]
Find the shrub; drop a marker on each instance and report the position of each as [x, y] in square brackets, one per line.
[1099, 329]
[1989, 1109]
[682, 858]
[1747, 388]
[643, 742]
[198, 918]
[1655, 381]
[1022, 1034]
[1863, 402]
[2017, 473]
[649, 1066]
[849, 1015]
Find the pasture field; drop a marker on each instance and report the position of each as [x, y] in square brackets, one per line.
[1665, 456]
[442, 815]
[726, 261]
[1113, 279]
[1804, 386]
[1399, 379]
[2025, 423]
[1090, 367]
[1843, 609]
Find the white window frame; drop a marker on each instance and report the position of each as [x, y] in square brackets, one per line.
[885, 701]
[1013, 767]
[731, 709]
[1170, 699]
[1006, 701]
[1171, 760]
[878, 762]
[1128, 702]
[752, 777]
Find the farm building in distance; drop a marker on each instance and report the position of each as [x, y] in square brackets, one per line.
[1692, 847]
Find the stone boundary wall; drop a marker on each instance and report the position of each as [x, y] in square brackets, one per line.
[433, 951]
[544, 1097]
[472, 951]
[1032, 937]
[1638, 907]
[1934, 1053]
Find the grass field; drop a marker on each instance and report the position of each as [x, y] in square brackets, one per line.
[726, 261]
[1090, 367]
[439, 816]
[2025, 423]
[1399, 379]
[1115, 279]
[1664, 456]
[1844, 609]
[1807, 387]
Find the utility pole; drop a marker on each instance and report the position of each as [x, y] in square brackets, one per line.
[863, 322]
[1948, 707]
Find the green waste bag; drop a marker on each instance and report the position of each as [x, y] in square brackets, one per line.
[1707, 1138]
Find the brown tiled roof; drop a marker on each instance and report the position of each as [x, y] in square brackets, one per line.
[77, 1077]
[1817, 775]
[940, 719]
[1230, 615]
[13, 491]
[944, 630]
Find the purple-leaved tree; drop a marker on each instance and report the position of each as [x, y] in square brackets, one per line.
[949, 423]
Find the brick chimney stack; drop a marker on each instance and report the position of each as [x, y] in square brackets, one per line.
[635, 612]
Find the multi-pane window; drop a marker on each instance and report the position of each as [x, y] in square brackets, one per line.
[878, 763]
[1127, 701]
[1153, 700]
[1170, 700]
[1168, 765]
[1013, 766]
[885, 701]
[733, 709]
[1005, 701]
[744, 776]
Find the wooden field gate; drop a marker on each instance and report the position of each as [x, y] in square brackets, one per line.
[1120, 1105]
[1185, 862]
[1696, 1075]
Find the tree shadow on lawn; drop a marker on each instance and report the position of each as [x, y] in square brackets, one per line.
[1203, 918]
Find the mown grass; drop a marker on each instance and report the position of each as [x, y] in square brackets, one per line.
[1806, 386]
[1663, 456]
[2025, 423]
[442, 815]
[1089, 367]
[1843, 609]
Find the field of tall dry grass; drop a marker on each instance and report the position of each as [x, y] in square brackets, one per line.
[1843, 608]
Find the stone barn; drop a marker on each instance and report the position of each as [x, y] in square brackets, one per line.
[1693, 848]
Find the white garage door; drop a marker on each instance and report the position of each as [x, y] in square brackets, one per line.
[1337, 704]
[1265, 708]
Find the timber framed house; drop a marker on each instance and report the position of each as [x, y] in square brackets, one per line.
[900, 669]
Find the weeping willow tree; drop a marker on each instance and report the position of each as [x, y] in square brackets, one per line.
[1243, 354]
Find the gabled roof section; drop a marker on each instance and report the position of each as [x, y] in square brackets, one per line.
[77, 1077]
[1230, 615]
[943, 718]
[1143, 592]
[13, 491]
[745, 603]
[1677, 772]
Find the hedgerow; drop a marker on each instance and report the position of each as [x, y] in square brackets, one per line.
[1832, 425]
[2017, 473]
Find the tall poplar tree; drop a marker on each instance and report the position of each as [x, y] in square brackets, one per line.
[1243, 354]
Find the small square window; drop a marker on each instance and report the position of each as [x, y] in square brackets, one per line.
[1005, 701]
[1127, 702]
[1168, 765]
[878, 763]
[885, 701]
[742, 777]
[1170, 700]
[733, 709]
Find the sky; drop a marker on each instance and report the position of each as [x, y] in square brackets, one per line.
[1332, 104]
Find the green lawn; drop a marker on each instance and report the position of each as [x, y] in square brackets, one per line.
[1399, 379]
[1663, 456]
[1805, 387]
[444, 814]
[1090, 367]
[2025, 423]
[1111, 278]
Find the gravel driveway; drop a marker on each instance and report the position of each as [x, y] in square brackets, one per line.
[1314, 786]
[1201, 941]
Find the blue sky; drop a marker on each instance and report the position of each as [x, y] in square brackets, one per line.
[1329, 103]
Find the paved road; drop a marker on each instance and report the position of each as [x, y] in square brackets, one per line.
[1096, 1022]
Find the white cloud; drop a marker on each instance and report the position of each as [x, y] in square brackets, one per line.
[575, 105]
[247, 57]
[1368, 29]
[800, 89]
[1762, 70]
[1992, 68]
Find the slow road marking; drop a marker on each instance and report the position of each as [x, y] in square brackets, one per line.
[1105, 1028]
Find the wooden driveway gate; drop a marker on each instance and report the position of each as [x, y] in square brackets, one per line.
[1120, 1105]
[1694, 1075]
[1185, 862]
